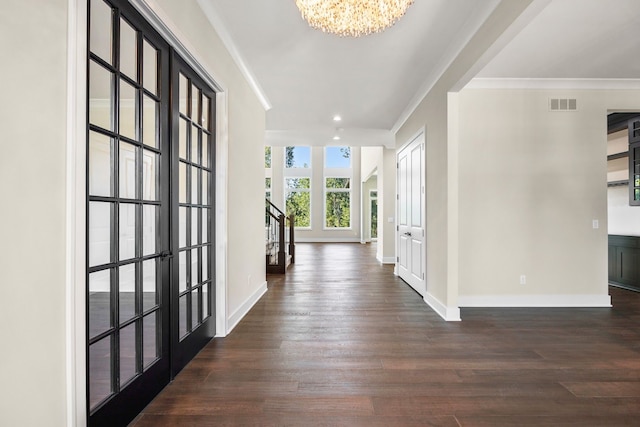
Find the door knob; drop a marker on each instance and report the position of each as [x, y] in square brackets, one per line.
[407, 234]
[166, 254]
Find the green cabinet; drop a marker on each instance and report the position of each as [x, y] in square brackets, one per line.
[624, 261]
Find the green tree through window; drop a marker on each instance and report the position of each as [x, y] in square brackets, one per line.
[338, 203]
[298, 200]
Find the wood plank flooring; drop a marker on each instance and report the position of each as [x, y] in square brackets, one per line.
[340, 341]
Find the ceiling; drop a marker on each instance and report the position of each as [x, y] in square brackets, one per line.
[307, 77]
[574, 39]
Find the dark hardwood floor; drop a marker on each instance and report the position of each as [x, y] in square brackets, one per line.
[341, 341]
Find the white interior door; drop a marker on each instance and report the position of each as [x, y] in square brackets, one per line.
[411, 215]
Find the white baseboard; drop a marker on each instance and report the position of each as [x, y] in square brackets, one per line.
[327, 239]
[386, 259]
[450, 314]
[535, 301]
[242, 311]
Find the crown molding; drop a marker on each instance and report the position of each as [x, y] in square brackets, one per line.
[217, 24]
[526, 83]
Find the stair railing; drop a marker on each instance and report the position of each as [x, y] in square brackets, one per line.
[276, 240]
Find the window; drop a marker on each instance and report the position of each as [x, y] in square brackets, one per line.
[297, 157]
[298, 200]
[297, 184]
[337, 202]
[373, 196]
[267, 188]
[337, 187]
[337, 158]
[267, 157]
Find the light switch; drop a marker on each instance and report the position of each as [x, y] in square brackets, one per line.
[596, 224]
[390, 219]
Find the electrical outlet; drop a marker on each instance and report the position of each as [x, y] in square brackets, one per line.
[523, 279]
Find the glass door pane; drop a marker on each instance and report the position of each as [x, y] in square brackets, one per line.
[193, 142]
[128, 214]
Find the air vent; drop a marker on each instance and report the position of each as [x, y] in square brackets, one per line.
[563, 104]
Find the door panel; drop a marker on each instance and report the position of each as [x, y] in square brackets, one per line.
[128, 215]
[411, 248]
[193, 148]
[150, 196]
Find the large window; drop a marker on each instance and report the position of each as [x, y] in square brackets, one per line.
[298, 198]
[297, 184]
[337, 187]
[297, 157]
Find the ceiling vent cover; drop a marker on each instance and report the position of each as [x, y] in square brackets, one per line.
[563, 104]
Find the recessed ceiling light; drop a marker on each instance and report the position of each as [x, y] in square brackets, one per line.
[337, 118]
[336, 138]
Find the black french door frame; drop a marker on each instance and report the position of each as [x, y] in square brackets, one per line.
[203, 328]
[127, 400]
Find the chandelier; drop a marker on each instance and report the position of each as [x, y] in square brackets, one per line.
[352, 18]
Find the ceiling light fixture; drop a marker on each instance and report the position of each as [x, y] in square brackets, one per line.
[352, 18]
[336, 138]
[337, 118]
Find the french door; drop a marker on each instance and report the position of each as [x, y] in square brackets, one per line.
[192, 322]
[150, 181]
[411, 215]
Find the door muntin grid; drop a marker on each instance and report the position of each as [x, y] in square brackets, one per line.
[124, 206]
[195, 204]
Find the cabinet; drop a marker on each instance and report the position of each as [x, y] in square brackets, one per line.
[624, 261]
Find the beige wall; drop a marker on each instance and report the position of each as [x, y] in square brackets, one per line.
[441, 182]
[531, 183]
[387, 208]
[245, 256]
[32, 230]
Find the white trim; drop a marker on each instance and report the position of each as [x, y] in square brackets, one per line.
[584, 300]
[75, 346]
[450, 314]
[475, 21]
[386, 259]
[245, 307]
[161, 22]
[227, 40]
[522, 83]
[222, 173]
[328, 239]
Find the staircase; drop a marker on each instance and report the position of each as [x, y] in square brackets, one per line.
[277, 240]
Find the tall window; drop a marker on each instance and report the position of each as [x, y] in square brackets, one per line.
[267, 172]
[337, 183]
[298, 184]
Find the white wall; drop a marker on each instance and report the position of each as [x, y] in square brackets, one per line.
[32, 231]
[624, 220]
[245, 252]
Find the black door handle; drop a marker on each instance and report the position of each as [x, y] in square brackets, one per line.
[166, 254]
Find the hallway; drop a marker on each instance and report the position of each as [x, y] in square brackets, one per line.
[341, 341]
